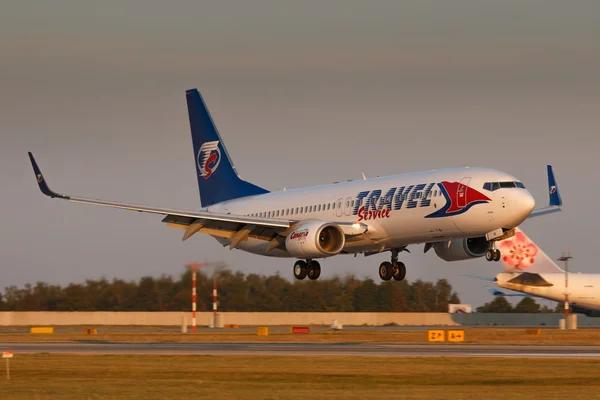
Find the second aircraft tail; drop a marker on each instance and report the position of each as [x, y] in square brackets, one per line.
[521, 254]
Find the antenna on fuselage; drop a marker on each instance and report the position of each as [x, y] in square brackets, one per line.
[364, 177]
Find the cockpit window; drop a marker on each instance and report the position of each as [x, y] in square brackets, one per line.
[491, 186]
[507, 184]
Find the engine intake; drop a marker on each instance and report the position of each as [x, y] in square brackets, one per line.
[462, 249]
[315, 239]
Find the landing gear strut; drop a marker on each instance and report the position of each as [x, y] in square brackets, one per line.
[395, 269]
[310, 268]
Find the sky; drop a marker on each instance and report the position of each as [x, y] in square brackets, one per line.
[303, 93]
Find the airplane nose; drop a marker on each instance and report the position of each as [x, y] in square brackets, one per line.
[522, 205]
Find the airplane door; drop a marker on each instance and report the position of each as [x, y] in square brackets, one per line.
[461, 192]
[338, 207]
[348, 206]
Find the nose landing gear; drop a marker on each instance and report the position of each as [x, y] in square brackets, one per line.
[493, 255]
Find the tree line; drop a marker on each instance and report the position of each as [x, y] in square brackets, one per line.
[236, 292]
[527, 305]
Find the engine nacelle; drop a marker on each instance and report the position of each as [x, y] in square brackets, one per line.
[316, 239]
[462, 249]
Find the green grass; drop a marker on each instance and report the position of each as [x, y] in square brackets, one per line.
[549, 336]
[46, 376]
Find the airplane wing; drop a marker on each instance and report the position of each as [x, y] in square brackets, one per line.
[224, 225]
[235, 227]
[484, 278]
[555, 203]
[496, 292]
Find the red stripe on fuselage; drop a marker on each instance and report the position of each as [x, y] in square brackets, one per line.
[471, 194]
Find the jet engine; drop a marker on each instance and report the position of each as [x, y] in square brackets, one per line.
[316, 239]
[462, 249]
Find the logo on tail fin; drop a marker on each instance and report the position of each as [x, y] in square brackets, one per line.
[552, 189]
[518, 253]
[209, 157]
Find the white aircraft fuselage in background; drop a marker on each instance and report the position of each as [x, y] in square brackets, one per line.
[460, 212]
[529, 270]
[583, 290]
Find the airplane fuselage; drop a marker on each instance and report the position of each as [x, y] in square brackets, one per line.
[429, 206]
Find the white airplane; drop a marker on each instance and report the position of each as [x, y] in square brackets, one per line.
[460, 212]
[527, 269]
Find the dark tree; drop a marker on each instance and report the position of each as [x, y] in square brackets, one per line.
[527, 305]
[237, 292]
[498, 305]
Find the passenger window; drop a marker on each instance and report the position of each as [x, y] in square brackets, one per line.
[319, 207]
[328, 206]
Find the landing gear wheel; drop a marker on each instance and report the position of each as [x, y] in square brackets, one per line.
[497, 255]
[489, 254]
[314, 270]
[399, 271]
[386, 271]
[300, 269]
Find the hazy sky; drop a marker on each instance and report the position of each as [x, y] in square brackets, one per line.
[303, 93]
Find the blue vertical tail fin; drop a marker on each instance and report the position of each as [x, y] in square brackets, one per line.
[555, 199]
[217, 178]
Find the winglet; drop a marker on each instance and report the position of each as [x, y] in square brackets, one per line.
[41, 181]
[555, 203]
[555, 199]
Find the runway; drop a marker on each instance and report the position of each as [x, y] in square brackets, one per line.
[297, 349]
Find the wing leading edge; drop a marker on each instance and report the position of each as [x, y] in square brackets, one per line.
[234, 227]
[224, 225]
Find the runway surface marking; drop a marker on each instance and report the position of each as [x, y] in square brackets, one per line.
[344, 349]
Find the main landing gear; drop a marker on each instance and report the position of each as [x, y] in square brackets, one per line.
[310, 268]
[395, 269]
